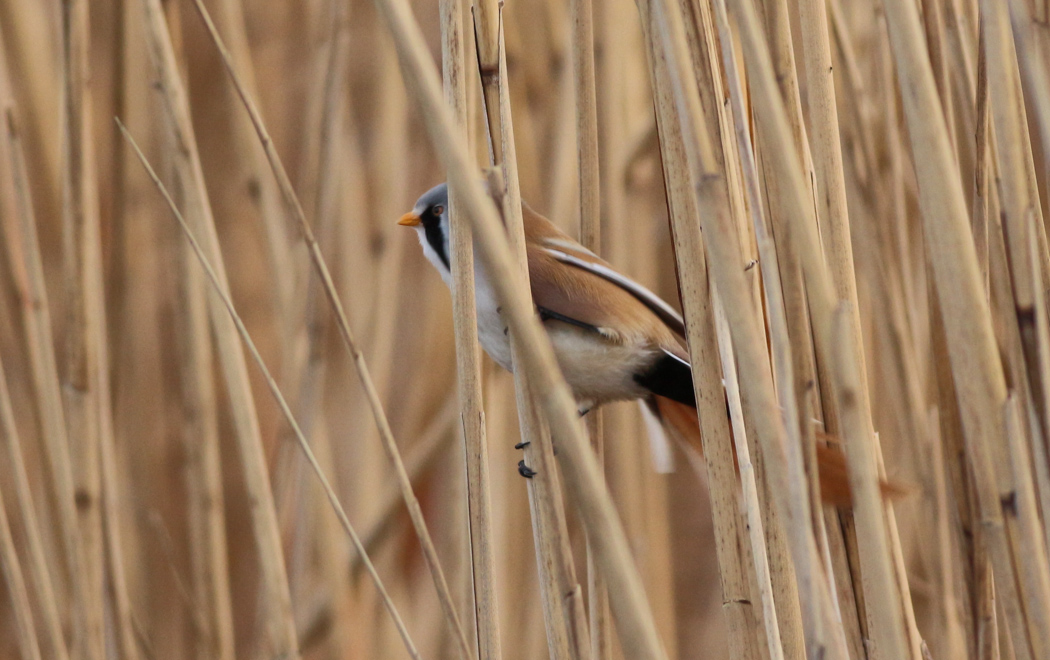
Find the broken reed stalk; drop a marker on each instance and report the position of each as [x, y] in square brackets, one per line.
[637, 630]
[560, 591]
[82, 265]
[583, 76]
[468, 360]
[295, 209]
[280, 623]
[224, 299]
[10, 565]
[979, 378]
[746, 637]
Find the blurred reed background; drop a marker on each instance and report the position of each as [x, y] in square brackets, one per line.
[871, 183]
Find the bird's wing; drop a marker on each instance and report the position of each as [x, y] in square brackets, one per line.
[544, 235]
[666, 313]
[578, 297]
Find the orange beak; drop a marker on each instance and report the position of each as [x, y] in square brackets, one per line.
[409, 220]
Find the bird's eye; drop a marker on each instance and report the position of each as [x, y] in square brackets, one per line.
[438, 210]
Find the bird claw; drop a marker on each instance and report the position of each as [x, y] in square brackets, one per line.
[522, 445]
[525, 470]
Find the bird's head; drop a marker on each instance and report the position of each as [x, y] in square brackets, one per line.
[429, 217]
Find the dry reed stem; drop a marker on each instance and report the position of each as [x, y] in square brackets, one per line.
[953, 631]
[753, 512]
[16, 587]
[24, 256]
[9, 562]
[1016, 195]
[807, 386]
[745, 633]
[294, 208]
[204, 467]
[830, 185]
[112, 565]
[213, 277]
[1011, 349]
[285, 274]
[214, 636]
[1038, 446]
[983, 163]
[585, 97]
[563, 614]
[1033, 67]
[199, 410]
[306, 368]
[280, 624]
[25, 28]
[1033, 573]
[915, 640]
[637, 630]
[564, 618]
[813, 586]
[553, 557]
[468, 361]
[978, 375]
[488, 24]
[818, 289]
[781, 346]
[882, 597]
[112, 522]
[82, 262]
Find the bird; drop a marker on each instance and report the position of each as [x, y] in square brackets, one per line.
[614, 339]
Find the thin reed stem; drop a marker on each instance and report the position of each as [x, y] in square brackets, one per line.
[333, 499]
[468, 360]
[280, 624]
[386, 435]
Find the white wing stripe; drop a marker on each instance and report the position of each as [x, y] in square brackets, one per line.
[650, 299]
[568, 245]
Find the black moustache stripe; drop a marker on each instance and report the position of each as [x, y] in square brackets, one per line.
[432, 230]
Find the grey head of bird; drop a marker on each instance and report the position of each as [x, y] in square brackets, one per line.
[429, 217]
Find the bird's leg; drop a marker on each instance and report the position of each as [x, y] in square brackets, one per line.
[525, 470]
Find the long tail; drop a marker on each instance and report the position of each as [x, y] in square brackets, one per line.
[681, 423]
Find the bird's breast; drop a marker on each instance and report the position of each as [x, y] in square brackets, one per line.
[492, 330]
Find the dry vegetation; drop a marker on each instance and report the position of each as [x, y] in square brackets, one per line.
[237, 419]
